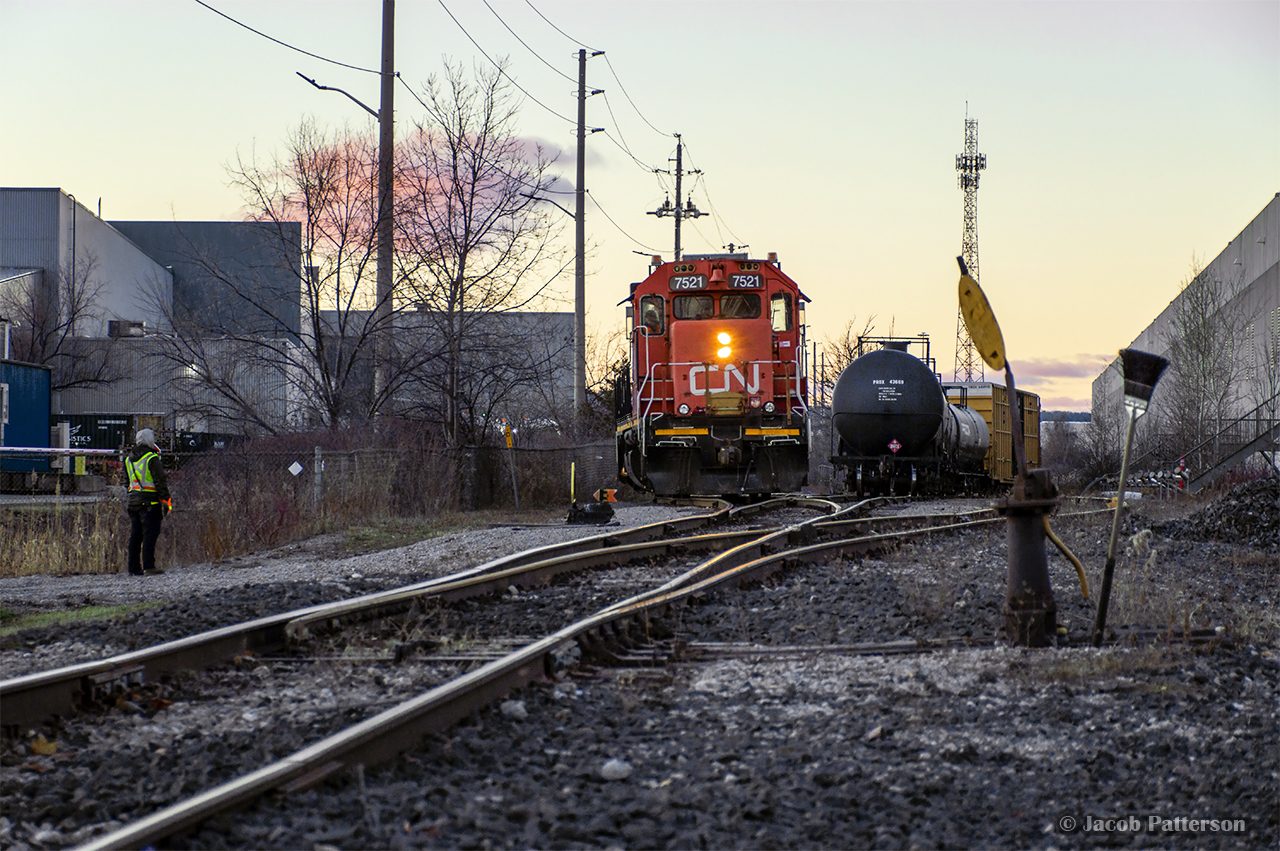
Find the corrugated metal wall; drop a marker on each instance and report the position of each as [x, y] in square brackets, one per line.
[29, 228]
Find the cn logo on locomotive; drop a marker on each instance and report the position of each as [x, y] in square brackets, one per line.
[731, 375]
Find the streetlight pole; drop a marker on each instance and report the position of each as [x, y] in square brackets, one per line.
[386, 203]
[384, 223]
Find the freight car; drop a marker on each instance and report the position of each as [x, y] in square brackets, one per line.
[902, 431]
[714, 398]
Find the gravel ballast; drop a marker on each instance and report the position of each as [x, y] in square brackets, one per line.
[986, 746]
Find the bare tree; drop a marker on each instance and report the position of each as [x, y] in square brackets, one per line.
[474, 245]
[1205, 363]
[51, 315]
[315, 204]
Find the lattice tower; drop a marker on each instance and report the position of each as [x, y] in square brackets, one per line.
[969, 366]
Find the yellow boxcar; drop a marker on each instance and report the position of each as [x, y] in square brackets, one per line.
[991, 401]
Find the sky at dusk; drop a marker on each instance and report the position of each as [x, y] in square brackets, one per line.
[1123, 140]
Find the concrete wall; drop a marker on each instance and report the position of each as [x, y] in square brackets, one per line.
[1251, 263]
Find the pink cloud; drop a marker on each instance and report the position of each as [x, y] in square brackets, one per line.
[1046, 369]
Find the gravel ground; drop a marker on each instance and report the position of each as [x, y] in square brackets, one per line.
[200, 597]
[986, 746]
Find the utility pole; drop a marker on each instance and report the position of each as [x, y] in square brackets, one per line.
[386, 205]
[969, 164]
[580, 244]
[689, 211]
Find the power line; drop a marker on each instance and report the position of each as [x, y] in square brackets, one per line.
[502, 70]
[487, 162]
[619, 227]
[286, 44]
[527, 47]
[716, 213]
[557, 29]
[622, 146]
[629, 100]
[617, 79]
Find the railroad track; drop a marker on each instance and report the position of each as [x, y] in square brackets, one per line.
[618, 635]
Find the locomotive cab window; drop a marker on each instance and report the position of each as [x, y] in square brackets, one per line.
[693, 307]
[739, 306]
[780, 312]
[653, 313]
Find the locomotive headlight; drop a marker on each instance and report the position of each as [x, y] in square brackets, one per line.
[724, 340]
[723, 352]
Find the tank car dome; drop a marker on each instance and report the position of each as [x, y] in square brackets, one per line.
[887, 396]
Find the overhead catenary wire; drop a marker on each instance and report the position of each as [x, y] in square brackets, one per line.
[286, 44]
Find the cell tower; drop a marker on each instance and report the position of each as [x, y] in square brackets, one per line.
[969, 164]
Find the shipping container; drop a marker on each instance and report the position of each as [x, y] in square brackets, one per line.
[991, 402]
[108, 431]
[26, 386]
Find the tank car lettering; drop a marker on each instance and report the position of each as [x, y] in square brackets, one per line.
[731, 374]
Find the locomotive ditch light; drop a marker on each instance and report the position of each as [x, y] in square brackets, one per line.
[769, 407]
[683, 410]
[1141, 371]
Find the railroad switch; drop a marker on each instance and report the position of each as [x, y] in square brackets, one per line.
[1029, 609]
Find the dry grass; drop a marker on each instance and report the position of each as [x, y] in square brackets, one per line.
[64, 540]
[378, 490]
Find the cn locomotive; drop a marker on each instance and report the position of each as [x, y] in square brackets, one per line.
[902, 431]
[715, 398]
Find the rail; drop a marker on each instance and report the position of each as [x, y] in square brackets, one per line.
[385, 735]
[34, 697]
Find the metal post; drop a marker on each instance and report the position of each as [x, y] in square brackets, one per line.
[318, 471]
[385, 222]
[1104, 596]
[1029, 608]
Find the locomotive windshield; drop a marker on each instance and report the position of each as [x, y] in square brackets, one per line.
[739, 306]
[692, 307]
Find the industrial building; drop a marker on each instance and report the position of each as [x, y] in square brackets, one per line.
[1239, 291]
[205, 325]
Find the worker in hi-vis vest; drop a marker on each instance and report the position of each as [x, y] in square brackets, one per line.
[148, 503]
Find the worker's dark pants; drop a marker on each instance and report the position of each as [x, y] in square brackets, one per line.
[145, 523]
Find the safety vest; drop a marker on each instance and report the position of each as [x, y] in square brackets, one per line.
[140, 473]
